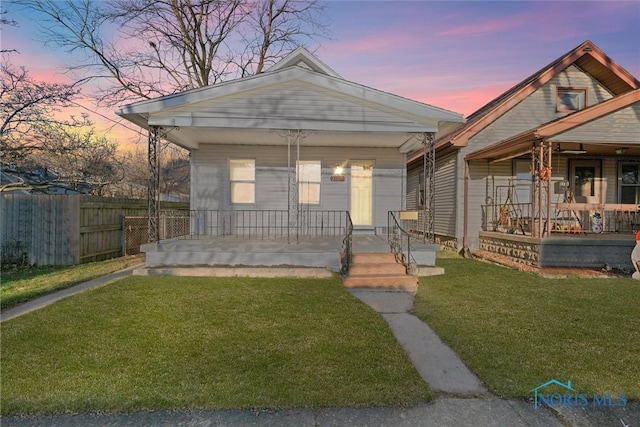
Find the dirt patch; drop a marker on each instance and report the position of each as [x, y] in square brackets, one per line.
[549, 272]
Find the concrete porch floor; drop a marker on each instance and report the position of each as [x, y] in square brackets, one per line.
[230, 256]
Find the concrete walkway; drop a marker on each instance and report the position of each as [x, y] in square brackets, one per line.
[461, 399]
[57, 296]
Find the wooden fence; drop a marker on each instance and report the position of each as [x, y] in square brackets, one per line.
[65, 229]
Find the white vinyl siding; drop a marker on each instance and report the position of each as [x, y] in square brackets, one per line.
[210, 181]
[445, 193]
[445, 196]
[297, 105]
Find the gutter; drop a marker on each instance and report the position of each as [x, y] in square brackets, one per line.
[465, 252]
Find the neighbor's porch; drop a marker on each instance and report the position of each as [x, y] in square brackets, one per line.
[561, 205]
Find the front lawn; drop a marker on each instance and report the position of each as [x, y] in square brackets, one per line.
[517, 330]
[148, 343]
[23, 285]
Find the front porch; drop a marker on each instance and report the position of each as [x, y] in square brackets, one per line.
[227, 251]
[563, 250]
[278, 244]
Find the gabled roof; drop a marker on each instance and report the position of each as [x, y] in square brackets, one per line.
[587, 56]
[521, 143]
[301, 57]
[300, 92]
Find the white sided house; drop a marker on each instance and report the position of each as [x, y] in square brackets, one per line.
[294, 154]
[548, 173]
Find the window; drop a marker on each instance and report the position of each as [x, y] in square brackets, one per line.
[242, 174]
[309, 178]
[522, 174]
[569, 100]
[629, 183]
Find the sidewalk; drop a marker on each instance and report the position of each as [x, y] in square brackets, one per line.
[64, 293]
[460, 397]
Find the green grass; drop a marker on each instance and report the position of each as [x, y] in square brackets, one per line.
[517, 330]
[149, 343]
[20, 286]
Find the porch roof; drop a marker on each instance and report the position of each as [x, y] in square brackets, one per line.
[298, 93]
[600, 137]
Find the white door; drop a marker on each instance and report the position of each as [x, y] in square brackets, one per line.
[362, 192]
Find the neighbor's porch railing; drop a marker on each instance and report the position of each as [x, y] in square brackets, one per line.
[566, 218]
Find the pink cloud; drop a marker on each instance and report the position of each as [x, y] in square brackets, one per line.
[485, 27]
[463, 101]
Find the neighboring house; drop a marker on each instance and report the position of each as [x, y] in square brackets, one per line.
[548, 172]
[39, 181]
[292, 150]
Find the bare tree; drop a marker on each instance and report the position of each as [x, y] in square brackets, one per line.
[4, 21]
[28, 112]
[148, 48]
[78, 160]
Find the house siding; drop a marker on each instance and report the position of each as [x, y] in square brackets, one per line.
[299, 101]
[620, 127]
[536, 109]
[445, 193]
[211, 187]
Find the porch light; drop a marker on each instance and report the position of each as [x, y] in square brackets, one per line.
[622, 150]
[338, 170]
[581, 150]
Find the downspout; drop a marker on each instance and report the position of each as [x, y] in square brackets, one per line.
[465, 252]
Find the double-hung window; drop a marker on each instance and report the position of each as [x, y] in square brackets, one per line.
[242, 174]
[629, 183]
[309, 178]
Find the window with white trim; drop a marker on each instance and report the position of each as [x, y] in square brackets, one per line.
[242, 174]
[570, 99]
[309, 179]
[629, 183]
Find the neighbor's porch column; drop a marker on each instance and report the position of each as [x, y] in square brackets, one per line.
[541, 184]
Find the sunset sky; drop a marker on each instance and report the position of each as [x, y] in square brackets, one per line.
[454, 55]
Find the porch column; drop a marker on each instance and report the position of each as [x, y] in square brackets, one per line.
[293, 157]
[428, 172]
[541, 185]
[153, 187]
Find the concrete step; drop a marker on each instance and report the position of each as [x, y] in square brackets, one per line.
[373, 258]
[372, 269]
[408, 283]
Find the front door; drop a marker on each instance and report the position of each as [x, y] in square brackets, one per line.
[362, 192]
[586, 181]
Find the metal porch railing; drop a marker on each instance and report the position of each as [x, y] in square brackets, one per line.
[267, 224]
[347, 248]
[566, 218]
[400, 241]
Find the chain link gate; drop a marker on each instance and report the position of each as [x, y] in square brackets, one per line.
[136, 229]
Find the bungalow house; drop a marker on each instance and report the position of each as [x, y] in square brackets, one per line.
[547, 173]
[289, 155]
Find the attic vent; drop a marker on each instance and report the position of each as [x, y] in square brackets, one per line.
[587, 49]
